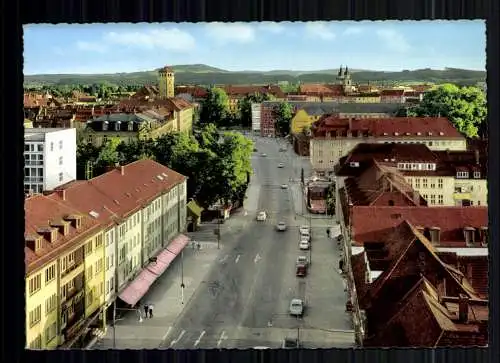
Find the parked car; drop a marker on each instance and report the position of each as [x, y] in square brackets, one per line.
[281, 226]
[302, 260]
[304, 229]
[304, 245]
[305, 235]
[301, 270]
[281, 165]
[296, 307]
[284, 186]
[283, 149]
[261, 216]
[290, 343]
[263, 155]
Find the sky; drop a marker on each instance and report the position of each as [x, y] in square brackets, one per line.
[307, 46]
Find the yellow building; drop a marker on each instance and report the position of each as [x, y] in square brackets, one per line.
[55, 272]
[166, 82]
[94, 275]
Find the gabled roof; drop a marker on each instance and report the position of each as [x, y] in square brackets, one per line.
[321, 89]
[370, 223]
[39, 212]
[242, 90]
[114, 196]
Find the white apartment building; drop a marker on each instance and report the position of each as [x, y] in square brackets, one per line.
[49, 158]
[110, 265]
[256, 117]
[334, 138]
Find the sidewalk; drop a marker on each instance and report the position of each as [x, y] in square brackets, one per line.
[166, 296]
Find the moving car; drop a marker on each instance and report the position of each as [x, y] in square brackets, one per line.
[304, 245]
[281, 226]
[296, 307]
[284, 186]
[302, 260]
[261, 216]
[301, 270]
[282, 149]
[263, 155]
[281, 165]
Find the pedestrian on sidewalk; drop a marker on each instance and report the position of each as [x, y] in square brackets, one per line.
[146, 310]
[151, 310]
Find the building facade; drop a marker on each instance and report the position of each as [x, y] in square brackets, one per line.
[333, 137]
[256, 112]
[49, 158]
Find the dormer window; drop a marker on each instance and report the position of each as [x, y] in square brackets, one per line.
[477, 175]
[462, 174]
[117, 125]
[385, 134]
[105, 126]
[441, 133]
[130, 126]
[483, 236]
[407, 134]
[429, 133]
[354, 164]
[469, 235]
[396, 134]
[419, 133]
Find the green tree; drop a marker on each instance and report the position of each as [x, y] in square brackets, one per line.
[283, 114]
[245, 107]
[465, 107]
[208, 138]
[108, 154]
[133, 151]
[215, 107]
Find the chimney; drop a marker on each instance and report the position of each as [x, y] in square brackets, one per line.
[476, 154]
[463, 308]
[122, 170]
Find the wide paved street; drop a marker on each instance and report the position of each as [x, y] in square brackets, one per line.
[238, 296]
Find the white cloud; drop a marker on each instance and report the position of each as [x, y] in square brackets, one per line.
[230, 32]
[352, 30]
[168, 39]
[319, 30]
[91, 47]
[393, 40]
[272, 27]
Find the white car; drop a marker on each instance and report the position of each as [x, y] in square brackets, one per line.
[281, 165]
[304, 245]
[305, 236]
[263, 155]
[281, 226]
[261, 216]
[304, 229]
[296, 307]
[284, 186]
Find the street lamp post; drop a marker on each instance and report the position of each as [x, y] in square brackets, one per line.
[182, 277]
[218, 232]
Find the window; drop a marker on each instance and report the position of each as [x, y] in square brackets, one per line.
[36, 343]
[440, 183]
[88, 248]
[90, 297]
[90, 273]
[424, 183]
[433, 184]
[50, 273]
[35, 284]
[107, 262]
[425, 196]
[417, 183]
[440, 199]
[112, 260]
[61, 177]
[51, 146]
[35, 315]
[433, 199]
[60, 160]
[50, 332]
[50, 304]
[60, 144]
[462, 174]
[98, 241]
[477, 175]
[98, 266]
[112, 284]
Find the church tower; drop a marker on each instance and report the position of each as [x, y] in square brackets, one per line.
[166, 82]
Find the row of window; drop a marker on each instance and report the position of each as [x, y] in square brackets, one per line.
[431, 199]
[424, 183]
[465, 175]
[39, 147]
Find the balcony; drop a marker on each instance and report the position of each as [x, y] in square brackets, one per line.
[462, 196]
[33, 162]
[72, 272]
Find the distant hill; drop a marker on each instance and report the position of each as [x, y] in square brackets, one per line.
[201, 74]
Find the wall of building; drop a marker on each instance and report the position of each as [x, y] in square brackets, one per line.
[256, 108]
[110, 248]
[97, 138]
[59, 158]
[476, 190]
[129, 238]
[42, 306]
[94, 273]
[152, 229]
[186, 119]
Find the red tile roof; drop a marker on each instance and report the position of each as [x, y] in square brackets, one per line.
[194, 91]
[370, 223]
[395, 127]
[241, 91]
[39, 212]
[113, 195]
[321, 89]
[172, 104]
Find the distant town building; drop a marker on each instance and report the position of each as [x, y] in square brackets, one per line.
[49, 158]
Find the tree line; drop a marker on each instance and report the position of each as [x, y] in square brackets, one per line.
[217, 164]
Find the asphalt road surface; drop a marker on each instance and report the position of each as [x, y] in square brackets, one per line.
[244, 298]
